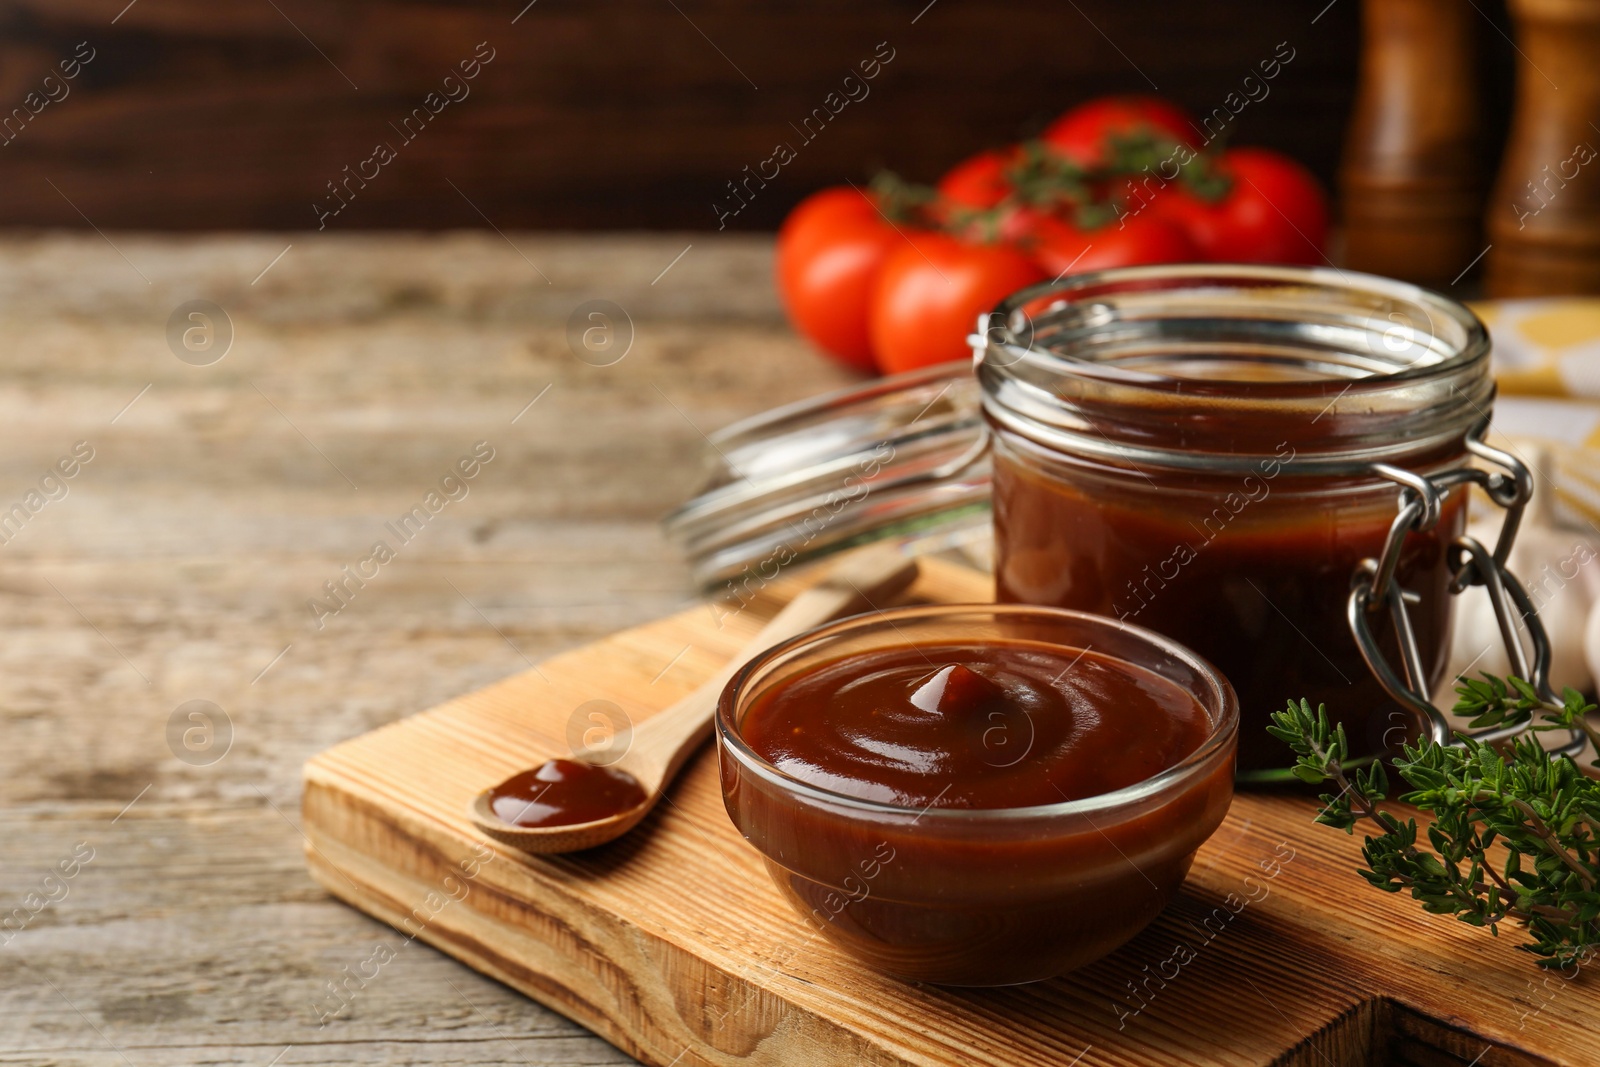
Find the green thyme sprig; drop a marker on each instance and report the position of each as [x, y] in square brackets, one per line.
[1515, 832]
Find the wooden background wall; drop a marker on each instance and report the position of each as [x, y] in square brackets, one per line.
[224, 114]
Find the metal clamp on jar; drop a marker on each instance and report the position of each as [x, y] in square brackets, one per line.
[1510, 487]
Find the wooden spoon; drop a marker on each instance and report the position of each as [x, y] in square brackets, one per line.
[662, 743]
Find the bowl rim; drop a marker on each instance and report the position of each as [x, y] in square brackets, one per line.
[1224, 731]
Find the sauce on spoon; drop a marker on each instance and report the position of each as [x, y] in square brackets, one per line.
[564, 792]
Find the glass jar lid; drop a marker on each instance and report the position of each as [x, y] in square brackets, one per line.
[904, 456]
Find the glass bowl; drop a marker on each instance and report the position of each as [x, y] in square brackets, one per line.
[969, 897]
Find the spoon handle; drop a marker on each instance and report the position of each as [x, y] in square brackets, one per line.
[858, 582]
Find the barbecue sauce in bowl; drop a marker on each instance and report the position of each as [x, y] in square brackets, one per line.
[977, 794]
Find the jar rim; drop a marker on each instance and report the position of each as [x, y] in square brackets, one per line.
[1202, 365]
[1218, 699]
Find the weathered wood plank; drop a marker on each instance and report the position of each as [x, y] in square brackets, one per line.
[191, 935]
[192, 541]
[196, 115]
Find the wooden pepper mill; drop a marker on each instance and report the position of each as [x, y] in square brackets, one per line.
[1544, 213]
[1412, 176]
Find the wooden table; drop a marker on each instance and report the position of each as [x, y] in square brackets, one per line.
[178, 565]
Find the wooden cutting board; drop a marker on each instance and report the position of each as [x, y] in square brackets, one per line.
[673, 944]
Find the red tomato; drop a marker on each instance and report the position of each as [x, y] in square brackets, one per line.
[830, 251]
[1182, 208]
[1275, 212]
[979, 181]
[1060, 247]
[931, 293]
[1084, 133]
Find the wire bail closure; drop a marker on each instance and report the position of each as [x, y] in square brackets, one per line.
[1373, 586]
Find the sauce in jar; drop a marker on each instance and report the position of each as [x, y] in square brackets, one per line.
[1249, 573]
[1218, 451]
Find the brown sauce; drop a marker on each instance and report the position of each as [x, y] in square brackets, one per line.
[1243, 570]
[564, 792]
[970, 876]
[993, 725]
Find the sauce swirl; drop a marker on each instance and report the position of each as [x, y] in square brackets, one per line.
[995, 725]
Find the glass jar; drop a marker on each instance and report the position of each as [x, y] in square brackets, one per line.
[1212, 451]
